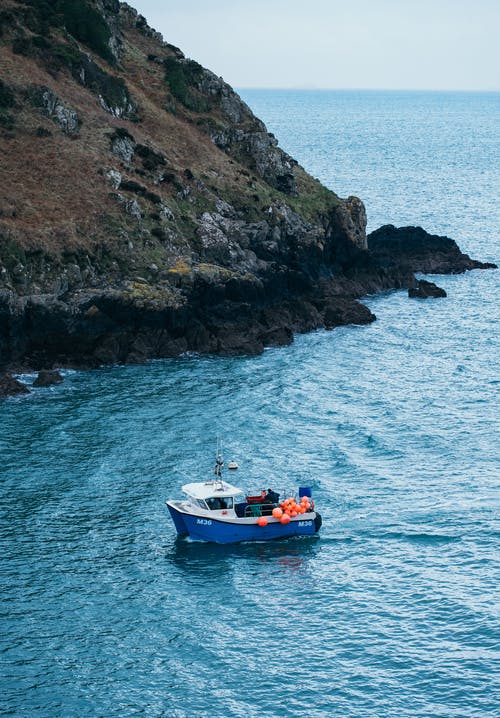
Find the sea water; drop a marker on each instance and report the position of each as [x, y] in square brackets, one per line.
[393, 611]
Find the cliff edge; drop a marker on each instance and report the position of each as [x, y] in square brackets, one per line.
[145, 211]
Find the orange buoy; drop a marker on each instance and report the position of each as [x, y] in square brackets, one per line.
[293, 514]
[285, 519]
[277, 512]
[262, 520]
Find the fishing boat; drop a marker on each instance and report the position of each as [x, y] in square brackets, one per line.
[219, 512]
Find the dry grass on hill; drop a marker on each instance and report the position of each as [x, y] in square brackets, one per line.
[55, 195]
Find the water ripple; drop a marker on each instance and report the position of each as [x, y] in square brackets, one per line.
[394, 610]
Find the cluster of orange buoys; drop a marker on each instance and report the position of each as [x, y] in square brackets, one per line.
[288, 510]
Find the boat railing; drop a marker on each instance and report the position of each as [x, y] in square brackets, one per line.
[255, 507]
[259, 509]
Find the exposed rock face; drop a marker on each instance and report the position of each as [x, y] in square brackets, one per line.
[52, 107]
[420, 251]
[11, 387]
[114, 177]
[353, 215]
[172, 221]
[424, 289]
[257, 149]
[123, 146]
[48, 377]
[341, 311]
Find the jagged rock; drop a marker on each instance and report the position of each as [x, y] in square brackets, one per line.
[225, 209]
[255, 148]
[108, 351]
[63, 115]
[232, 106]
[425, 289]
[356, 226]
[114, 178]
[110, 10]
[246, 137]
[123, 145]
[277, 337]
[232, 343]
[133, 208]
[48, 377]
[166, 212]
[11, 387]
[223, 240]
[415, 249]
[122, 108]
[340, 311]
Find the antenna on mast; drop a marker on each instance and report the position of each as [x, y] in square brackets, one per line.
[219, 461]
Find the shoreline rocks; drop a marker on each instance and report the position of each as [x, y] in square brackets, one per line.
[9, 386]
[48, 377]
[168, 218]
[424, 290]
[217, 310]
[419, 251]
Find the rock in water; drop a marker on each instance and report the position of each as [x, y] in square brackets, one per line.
[48, 377]
[11, 387]
[418, 251]
[340, 311]
[424, 290]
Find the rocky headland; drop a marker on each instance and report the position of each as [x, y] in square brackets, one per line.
[145, 211]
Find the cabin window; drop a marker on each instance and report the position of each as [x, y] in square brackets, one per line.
[223, 502]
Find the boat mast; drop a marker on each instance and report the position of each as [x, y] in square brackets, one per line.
[219, 461]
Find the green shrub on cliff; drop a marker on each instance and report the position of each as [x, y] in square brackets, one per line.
[182, 77]
[7, 98]
[79, 18]
[88, 26]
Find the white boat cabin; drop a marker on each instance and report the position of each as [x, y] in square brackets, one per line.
[214, 498]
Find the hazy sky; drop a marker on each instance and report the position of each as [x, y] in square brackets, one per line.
[395, 44]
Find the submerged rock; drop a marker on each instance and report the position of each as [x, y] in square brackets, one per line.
[9, 386]
[48, 377]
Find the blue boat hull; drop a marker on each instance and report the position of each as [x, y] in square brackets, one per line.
[201, 528]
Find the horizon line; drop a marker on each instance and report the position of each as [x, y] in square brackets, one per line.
[306, 88]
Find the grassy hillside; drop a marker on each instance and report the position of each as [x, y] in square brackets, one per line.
[114, 145]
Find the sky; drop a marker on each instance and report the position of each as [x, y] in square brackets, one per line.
[366, 44]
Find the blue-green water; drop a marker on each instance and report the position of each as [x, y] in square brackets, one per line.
[394, 610]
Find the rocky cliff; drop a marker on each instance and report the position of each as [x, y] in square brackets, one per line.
[145, 211]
